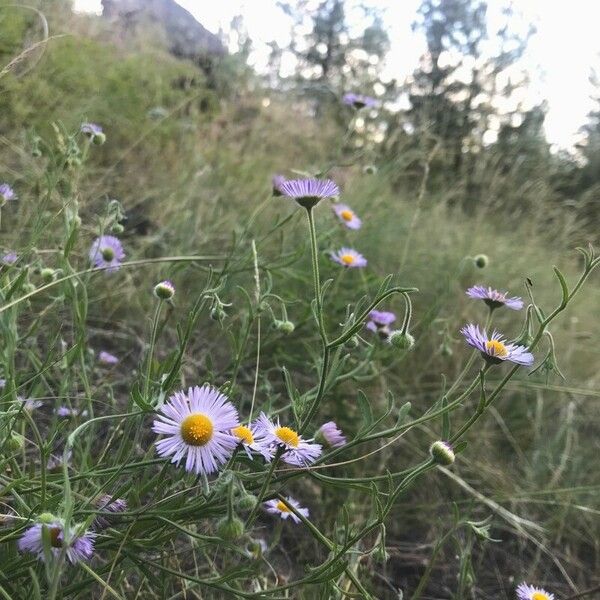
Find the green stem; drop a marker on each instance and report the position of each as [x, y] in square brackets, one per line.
[151, 351]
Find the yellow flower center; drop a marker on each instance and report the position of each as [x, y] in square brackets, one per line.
[539, 596]
[281, 506]
[243, 433]
[287, 435]
[196, 430]
[347, 215]
[496, 348]
[347, 259]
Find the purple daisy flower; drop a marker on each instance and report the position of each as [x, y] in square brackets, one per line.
[529, 592]
[10, 258]
[107, 253]
[110, 505]
[6, 194]
[308, 192]
[276, 182]
[77, 544]
[91, 129]
[278, 507]
[494, 298]
[359, 101]
[65, 411]
[29, 404]
[347, 216]
[349, 258]
[253, 439]
[197, 426]
[380, 320]
[495, 349]
[106, 358]
[332, 434]
[297, 451]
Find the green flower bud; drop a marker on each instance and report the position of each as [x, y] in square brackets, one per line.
[218, 314]
[247, 502]
[47, 518]
[164, 290]
[370, 170]
[442, 453]
[352, 342]
[98, 139]
[28, 287]
[285, 327]
[481, 261]
[400, 340]
[15, 442]
[230, 529]
[117, 228]
[48, 274]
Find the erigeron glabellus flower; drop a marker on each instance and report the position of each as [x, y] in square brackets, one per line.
[107, 253]
[493, 298]
[331, 434]
[529, 592]
[106, 358]
[30, 404]
[309, 192]
[6, 194]
[276, 183]
[76, 543]
[380, 320]
[10, 258]
[91, 129]
[359, 101]
[253, 439]
[349, 258]
[107, 504]
[280, 508]
[494, 348]
[296, 450]
[347, 216]
[197, 426]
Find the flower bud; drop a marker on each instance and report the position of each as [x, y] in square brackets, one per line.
[352, 342]
[218, 314]
[117, 228]
[98, 138]
[230, 529]
[28, 288]
[442, 453]
[370, 170]
[15, 441]
[401, 340]
[481, 261]
[48, 274]
[164, 290]
[285, 327]
[47, 518]
[247, 502]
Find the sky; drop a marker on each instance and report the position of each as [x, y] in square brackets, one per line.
[559, 57]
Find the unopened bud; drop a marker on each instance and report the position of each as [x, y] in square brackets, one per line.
[15, 441]
[401, 340]
[164, 290]
[117, 228]
[247, 502]
[230, 528]
[481, 261]
[98, 139]
[47, 518]
[285, 327]
[442, 453]
[218, 314]
[48, 274]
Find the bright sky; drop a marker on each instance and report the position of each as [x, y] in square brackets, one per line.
[559, 58]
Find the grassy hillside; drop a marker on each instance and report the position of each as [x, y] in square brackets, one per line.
[191, 167]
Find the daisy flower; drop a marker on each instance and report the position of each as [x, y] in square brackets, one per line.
[77, 544]
[197, 426]
[107, 253]
[278, 507]
[91, 129]
[276, 183]
[6, 194]
[359, 101]
[107, 504]
[494, 298]
[380, 320]
[10, 258]
[253, 439]
[347, 257]
[347, 216]
[297, 451]
[495, 349]
[106, 358]
[528, 592]
[29, 404]
[331, 434]
[308, 192]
